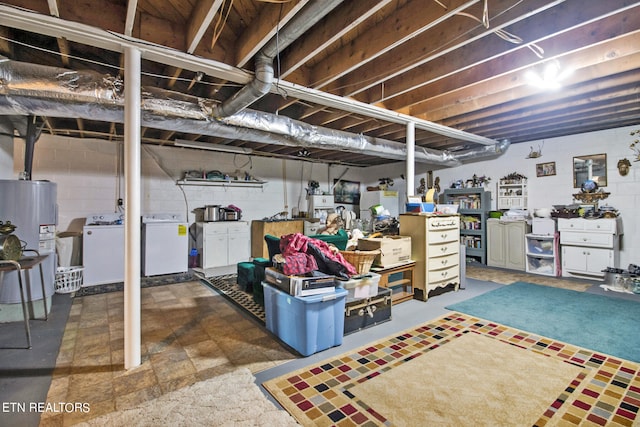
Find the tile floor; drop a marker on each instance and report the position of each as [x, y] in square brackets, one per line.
[189, 333]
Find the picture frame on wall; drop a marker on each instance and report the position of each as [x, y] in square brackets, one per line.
[347, 192]
[546, 169]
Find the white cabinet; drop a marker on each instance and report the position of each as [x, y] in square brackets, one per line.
[512, 194]
[320, 205]
[222, 244]
[542, 254]
[506, 244]
[435, 247]
[588, 246]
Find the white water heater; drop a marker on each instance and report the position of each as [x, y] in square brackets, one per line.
[32, 207]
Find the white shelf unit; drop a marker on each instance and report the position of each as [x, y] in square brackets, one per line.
[512, 194]
[542, 254]
[320, 206]
[221, 183]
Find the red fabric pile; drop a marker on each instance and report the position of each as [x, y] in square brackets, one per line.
[301, 259]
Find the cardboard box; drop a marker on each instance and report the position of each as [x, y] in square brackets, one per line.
[393, 249]
[300, 285]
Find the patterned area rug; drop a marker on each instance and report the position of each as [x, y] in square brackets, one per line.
[602, 390]
[228, 287]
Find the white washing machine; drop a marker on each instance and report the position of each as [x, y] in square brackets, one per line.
[165, 244]
[103, 249]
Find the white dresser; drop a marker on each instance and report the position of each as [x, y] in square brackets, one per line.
[588, 246]
[435, 247]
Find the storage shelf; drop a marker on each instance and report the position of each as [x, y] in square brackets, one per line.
[474, 202]
[534, 255]
[220, 182]
[545, 262]
[475, 232]
[512, 194]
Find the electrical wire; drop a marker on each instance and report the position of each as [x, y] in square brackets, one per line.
[217, 30]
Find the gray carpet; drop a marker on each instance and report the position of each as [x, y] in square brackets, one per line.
[25, 375]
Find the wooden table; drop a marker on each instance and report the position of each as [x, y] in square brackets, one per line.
[22, 265]
[407, 270]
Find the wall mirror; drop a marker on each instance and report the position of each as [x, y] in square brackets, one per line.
[592, 167]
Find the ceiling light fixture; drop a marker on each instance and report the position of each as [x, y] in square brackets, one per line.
[212, 147]
[551, 77]
[303, 152]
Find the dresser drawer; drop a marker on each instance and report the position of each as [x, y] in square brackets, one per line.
[586, 239]
[443, 223]
[437, 250]
[443, 236]
[446, 274]
[435, 263]
[601, 225]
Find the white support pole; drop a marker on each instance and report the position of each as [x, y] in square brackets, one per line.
[132, 356]
[411, 159]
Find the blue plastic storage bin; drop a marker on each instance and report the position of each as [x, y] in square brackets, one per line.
[307, 324]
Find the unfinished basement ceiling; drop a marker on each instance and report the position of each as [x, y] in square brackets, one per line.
[456, 63]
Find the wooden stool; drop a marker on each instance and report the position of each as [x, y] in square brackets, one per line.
[406, 281]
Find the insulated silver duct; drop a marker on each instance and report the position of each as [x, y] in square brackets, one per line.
[28, 89]
[261, 83]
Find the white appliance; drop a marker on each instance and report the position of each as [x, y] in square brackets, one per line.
[32, 207]
[103, 249]
[165, 244]
[388, 199]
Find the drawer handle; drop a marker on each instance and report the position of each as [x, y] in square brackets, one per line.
[444, 262]
[443, 249]
[445, 274]
[444, 235]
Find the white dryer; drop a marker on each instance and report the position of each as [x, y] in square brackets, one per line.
[165, 244]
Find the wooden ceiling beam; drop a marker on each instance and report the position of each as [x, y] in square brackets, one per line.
[610, 58]
[199, 21]
[328, 31]
[452, 34]
[271, 19]
[592, 97]
[571, 30]
[407, 22]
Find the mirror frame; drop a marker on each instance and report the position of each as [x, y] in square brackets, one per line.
[600, 163]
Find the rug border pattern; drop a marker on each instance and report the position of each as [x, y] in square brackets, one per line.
[606, 392]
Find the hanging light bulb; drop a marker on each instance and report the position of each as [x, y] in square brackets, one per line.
[551, 77]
